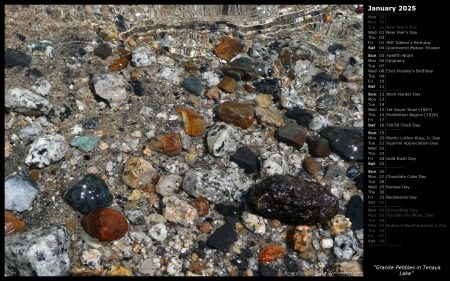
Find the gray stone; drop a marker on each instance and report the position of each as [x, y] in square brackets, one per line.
[332, 171]
[318, 122]
[85, 143]
[346, 247]
[290, 98]
[222, 139]
[214, 185]
[112, 87]
[273, 164]
[30, 132]
[26, 102]
[42, 86]
[46, 149]
[142, 57]
[20, 191]
[135, 216]
[158, 232]
[167, 184]
[41, 252]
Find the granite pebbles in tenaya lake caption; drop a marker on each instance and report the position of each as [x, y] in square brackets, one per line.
[292, 200]
[88, 194]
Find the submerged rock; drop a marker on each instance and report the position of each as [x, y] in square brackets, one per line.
[292, 200]
[346, 141]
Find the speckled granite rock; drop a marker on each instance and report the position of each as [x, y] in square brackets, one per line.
[20, 191]
[39, 252]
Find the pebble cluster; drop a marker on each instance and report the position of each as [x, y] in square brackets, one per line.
[202, 149]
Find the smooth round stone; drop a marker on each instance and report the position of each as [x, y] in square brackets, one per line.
[240, 114]
[88, 194]
[105, 224]
[193, 85]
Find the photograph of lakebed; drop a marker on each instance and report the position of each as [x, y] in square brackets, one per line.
[184, 140]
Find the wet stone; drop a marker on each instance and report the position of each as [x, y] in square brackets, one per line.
[222, 238]
[193, 85]
[240, 114]
[348, 142]
[41, 252]
[240, 262]
[311, 165]
[291, 264]
[318, 122]
[292, 134]
[45, 150]
[271, 253]
[318, 147]
[103, 51]
[322, 77]
[20, 191]
[26, 102]
[12, 224]
[290, 98]
[355, 212]
[14, 58]
[292, 200]
[88, 194]
[105, 224]
[267, 86]
[222, 139]
[142, 57]
[353, 171]
[228, 48]
[332, 171]
[301, 116]
[227, 84]
[169, 144]
[90, 123]
[327, 102]
[194, 123]
[246, 159]
[138, 172]
[85, 143]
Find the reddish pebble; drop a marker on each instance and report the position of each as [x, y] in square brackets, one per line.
[240, 114]
[202, 206]
[213, 93]
[195, 125]
[228, 48]
[105, 224]
[169, 144]
[206, 227]
[271, 253]
[12, 224]
[249, 88]
[227, 84]
[299, 238]
[360, 9]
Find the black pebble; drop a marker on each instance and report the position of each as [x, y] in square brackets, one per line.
[291, 265]
[246, 159]
[322, 77]
[90, 123]
[335, 47]
[230, 220]
[355, 212]
[201, 244]
[247, 253]
[34, 72]
[200, 252]
[352, 61]
[240, 262]
[222, 238]
[137, 87]
[228, 209]
[103, 51]
[301, 116]
[267, 86]
[348, 142]
[15, 58]
[266, 270]
[353, 171]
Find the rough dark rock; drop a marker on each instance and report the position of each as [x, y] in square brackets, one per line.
[355, 212]
[14, 58]
[137, 87]
[90, 123]
[266, 271]
[359, 182]
[348, 142]
[267, 86]
[291, 265]
[246, 159]
[103, 51]
[240, 262]
[301, 116]
[353, 171]
[222, 238]
[292, 134]
[228, 209]
[332, 171]
[292, 200]
[318, 147]
[88, 194]
[322, 77]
